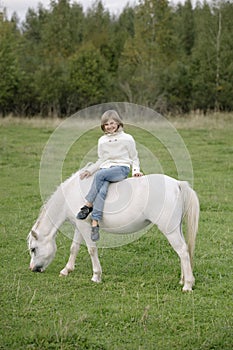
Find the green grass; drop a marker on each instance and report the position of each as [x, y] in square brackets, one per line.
[139, 304]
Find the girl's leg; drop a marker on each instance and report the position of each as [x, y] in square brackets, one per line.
[95, 188]
[98, 193]
[99, 202]
[113, 174]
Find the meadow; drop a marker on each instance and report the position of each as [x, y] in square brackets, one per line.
[139, 304]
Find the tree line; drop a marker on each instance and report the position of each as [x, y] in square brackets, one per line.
[172, 58]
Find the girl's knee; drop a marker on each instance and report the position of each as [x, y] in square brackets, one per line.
[103, 192]
[99, 175]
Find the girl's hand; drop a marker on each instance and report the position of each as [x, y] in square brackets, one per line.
[86, 173]
[138, 174]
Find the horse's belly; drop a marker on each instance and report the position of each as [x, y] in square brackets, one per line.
[120, 224]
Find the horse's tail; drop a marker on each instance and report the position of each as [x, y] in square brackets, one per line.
[191, 210]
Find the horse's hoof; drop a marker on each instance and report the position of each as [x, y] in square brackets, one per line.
[63, 273]
[187, 289]
[96, 279]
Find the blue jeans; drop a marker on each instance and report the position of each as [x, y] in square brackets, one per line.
[99, 187]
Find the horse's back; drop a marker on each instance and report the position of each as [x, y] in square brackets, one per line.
[135, 202]
[131, 204]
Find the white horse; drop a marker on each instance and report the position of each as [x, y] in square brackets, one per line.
[131, 205]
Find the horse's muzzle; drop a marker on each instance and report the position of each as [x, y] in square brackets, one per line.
[37, 269]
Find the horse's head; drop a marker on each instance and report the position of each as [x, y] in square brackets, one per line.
[42, 251]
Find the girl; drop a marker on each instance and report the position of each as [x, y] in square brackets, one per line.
[116, 154]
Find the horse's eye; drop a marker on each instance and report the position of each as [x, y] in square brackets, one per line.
[33, 250]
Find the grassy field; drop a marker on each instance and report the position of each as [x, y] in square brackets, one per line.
[139, 305]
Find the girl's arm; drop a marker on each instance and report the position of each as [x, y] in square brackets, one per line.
[135, 160]
[93, 167]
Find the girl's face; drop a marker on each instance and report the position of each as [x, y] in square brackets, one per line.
[110, 126]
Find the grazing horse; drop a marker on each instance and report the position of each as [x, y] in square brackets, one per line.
[130, 206]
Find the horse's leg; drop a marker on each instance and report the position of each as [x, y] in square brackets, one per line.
[179, 245]
[85, 229]
[97, 271]
[75, 246]
[182, 277]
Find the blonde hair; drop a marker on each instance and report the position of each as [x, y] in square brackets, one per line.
[111, 114]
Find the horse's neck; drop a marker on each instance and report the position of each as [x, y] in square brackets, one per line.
[52, 215]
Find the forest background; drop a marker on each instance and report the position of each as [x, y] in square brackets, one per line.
[172, 58]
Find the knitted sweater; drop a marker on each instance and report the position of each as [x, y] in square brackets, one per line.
[118, 149]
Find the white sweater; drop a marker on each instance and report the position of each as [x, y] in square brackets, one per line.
[118, 149]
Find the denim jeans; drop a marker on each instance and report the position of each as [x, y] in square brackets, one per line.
[99, 187]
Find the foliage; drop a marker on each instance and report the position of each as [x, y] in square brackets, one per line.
[89, 77]
[175, 58]
[9, 70]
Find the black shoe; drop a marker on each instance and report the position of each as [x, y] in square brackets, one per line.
[84, 212]
[95, 233]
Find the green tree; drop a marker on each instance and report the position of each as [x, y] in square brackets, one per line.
[212, 56]
[176, 78]
[62, 32]
[9, 70]
[89, 78]
[224, 61]
[30, 58]
[185, 27]
[148, 53]
[50, 38]
[99, 32]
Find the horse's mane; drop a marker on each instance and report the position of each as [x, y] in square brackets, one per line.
[64, 183]
[54, 194]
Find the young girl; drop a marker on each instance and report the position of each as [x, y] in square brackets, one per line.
[116, 154]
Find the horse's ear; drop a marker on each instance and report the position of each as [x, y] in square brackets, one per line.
[34, 234]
